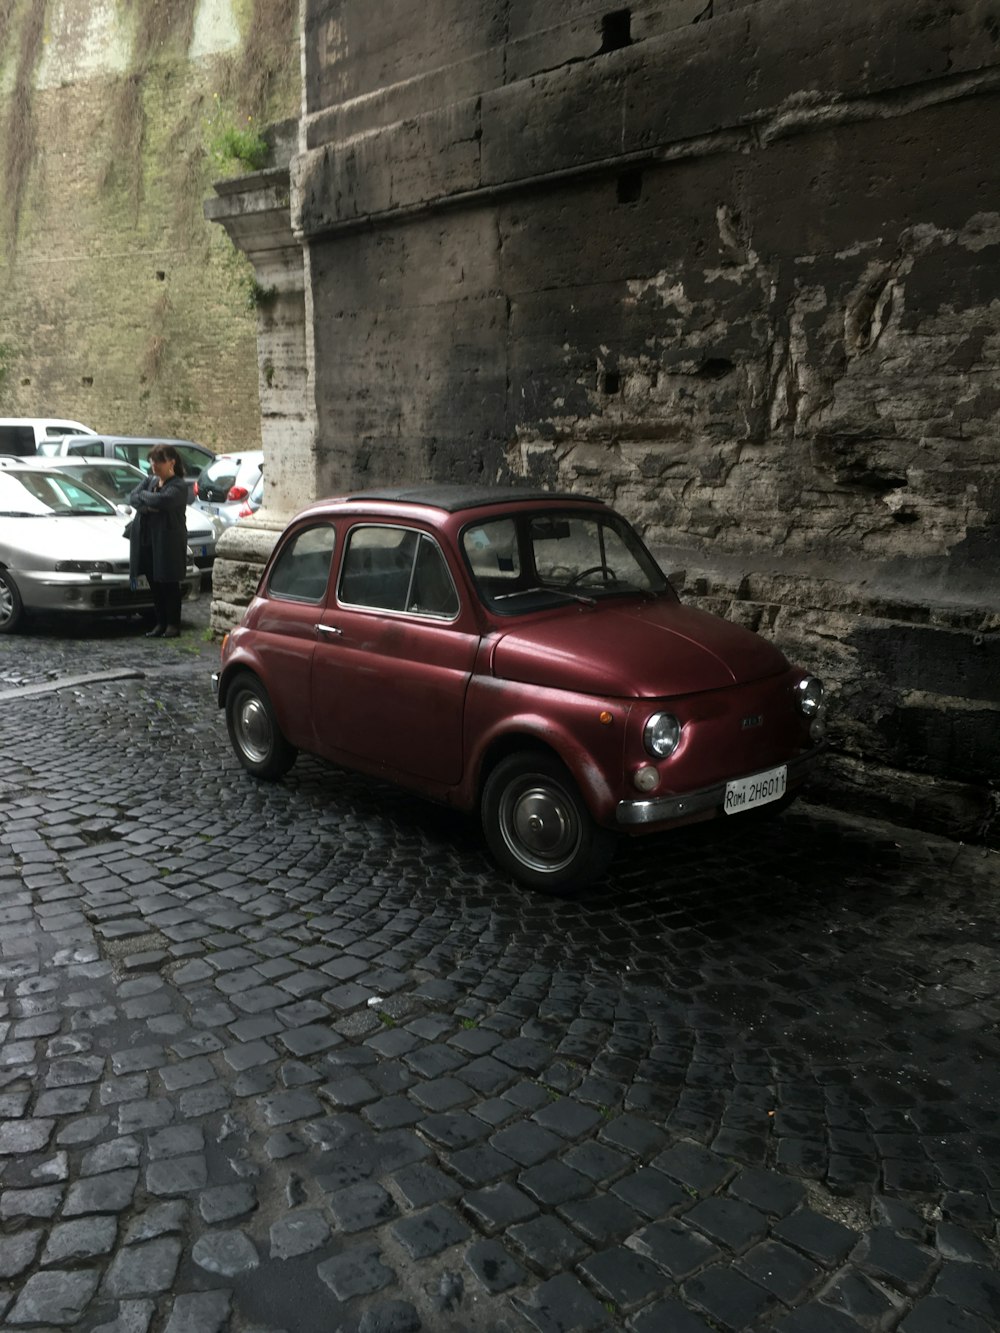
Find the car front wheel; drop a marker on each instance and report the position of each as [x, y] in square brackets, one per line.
[538, 827]
[254, 731]
[11, 606]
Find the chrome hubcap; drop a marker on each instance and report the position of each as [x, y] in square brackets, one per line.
[253, 728]
[540, 825]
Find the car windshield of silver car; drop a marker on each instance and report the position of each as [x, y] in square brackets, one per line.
[36, 494]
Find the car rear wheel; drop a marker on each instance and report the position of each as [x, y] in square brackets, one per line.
[539, 828]
[11, 606]
[254, 731]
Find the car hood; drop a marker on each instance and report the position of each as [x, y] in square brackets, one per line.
[65, 537]
[640, 650]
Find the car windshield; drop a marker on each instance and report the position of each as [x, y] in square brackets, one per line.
[37, 494]
[535, 560]
[116, 481]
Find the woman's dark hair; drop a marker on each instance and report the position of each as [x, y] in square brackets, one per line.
[163, 453]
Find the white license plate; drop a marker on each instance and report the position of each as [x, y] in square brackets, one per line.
[759, 789]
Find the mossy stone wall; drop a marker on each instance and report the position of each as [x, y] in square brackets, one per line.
[123, 307]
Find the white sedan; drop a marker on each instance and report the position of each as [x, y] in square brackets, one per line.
[116, 480]
[62, 548]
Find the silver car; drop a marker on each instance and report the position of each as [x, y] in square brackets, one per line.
[62, 549]
[116, 481]
[225, 485]
[134, 449]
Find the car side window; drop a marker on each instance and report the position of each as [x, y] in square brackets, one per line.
[396, 569]
[302, 568]
[193, 460]
[432, 592]
[130, 453]
[17, 440]
[86, 450]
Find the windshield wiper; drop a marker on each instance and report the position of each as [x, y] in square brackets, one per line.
[556, 592]
[19, 513]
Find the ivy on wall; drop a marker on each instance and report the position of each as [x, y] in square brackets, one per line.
[157, 30]
[19, 130]
[261, 63]
[134, 147]
[8, 355]
[253, 82]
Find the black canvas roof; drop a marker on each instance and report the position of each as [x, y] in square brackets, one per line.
[453, 498]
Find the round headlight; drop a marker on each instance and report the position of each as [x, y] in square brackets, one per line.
[661, 735]
[809, 693]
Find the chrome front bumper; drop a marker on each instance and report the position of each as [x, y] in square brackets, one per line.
[664, 809]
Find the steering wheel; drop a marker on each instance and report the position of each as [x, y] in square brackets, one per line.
[608, 575]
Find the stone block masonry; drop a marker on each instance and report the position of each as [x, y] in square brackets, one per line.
[732, 266]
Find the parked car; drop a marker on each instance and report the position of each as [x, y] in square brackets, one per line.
[254, 500]
[116, 481]
[135, 449]
[23, 436]
[518, 653]
[62, 548]
[224, 485]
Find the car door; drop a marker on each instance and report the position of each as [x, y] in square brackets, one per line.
[284, 623]
[394, 658]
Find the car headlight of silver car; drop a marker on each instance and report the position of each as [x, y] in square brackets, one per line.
[84, 567]
[661, 735]
[809, 695]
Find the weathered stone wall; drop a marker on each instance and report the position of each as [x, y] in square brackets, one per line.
[122, 307]
[732, 265]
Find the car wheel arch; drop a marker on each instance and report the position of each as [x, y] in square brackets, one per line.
[501, 746]
[254, 729]
[536, 822]
[12, 618]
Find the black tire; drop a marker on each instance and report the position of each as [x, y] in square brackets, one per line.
[254, 731]
[11, 606]
[538, 826]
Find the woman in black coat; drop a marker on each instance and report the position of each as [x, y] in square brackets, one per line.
[158, 537]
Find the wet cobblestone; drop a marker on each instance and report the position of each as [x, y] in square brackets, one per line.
[297, 1056]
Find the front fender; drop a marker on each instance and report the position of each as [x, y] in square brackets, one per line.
[585, 732]
[285, 676]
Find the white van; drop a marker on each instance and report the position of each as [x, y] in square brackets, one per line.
[26, 435]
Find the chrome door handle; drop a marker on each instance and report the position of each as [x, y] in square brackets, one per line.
[328, 629]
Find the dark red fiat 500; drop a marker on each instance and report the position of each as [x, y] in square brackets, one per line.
[516, 652]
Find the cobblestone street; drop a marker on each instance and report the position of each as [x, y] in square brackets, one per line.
[297, 1056]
